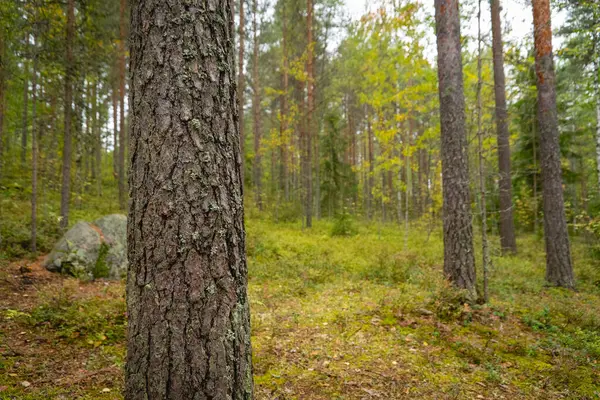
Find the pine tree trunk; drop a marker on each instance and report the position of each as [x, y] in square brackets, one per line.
[122, 143]
[459, 263]
[507, 225]
[189, 322]
[256, 112]
[68, 135]
[559, 269]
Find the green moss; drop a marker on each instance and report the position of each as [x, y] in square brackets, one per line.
[102, 269]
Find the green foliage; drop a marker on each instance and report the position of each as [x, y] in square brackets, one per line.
[344, 225]
[101, 269]
[97, 321]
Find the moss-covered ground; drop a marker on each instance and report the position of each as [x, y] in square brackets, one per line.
[358, 317]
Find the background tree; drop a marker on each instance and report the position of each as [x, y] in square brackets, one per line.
[507, 227]
[459, 264]
[559, 269]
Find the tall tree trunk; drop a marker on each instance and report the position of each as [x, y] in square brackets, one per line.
[482, 200]
[507, 225]
[597, 92]
[122, 143]
[97, 135]
[559, 268]
[256, 112]
[80, 140]
[241, 79]
[68, 136]
[52, 154]
[115, 101]
[189, 322]
[25, 122]
[34, 150]
[285, 185]
[3, 66]
[309, 113]
[371, 167]
[459, 263]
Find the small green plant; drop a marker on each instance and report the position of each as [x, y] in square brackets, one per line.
[344, 225]
[101, 269]
[540, 321]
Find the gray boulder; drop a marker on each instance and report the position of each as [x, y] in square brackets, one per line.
[89, 251]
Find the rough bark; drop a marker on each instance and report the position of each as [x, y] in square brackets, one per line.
[507, 225]
[189, 323]
[122, 67]
[68, 135]
[559, 268]
[459, 264]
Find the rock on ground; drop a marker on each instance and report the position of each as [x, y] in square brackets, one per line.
[92, 250]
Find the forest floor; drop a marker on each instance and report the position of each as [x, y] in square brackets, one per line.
[359, 317]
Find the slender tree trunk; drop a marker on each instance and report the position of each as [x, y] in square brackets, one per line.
[482, 199]
[371, 168]
[189, 322]
[309, 112]
[535, 175]
[89, 141]
[459, 263]
[97, 133]
[241, 79]
[507, 224]
[408, 185]
[256, 112]
[559, 268]
[25, 122]
[68, 136]
[597, 92]
[115, 103]
[52, 155]
[3, 66]
[34, 151]
[122, 66]
[80, 141]
[284, 112]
